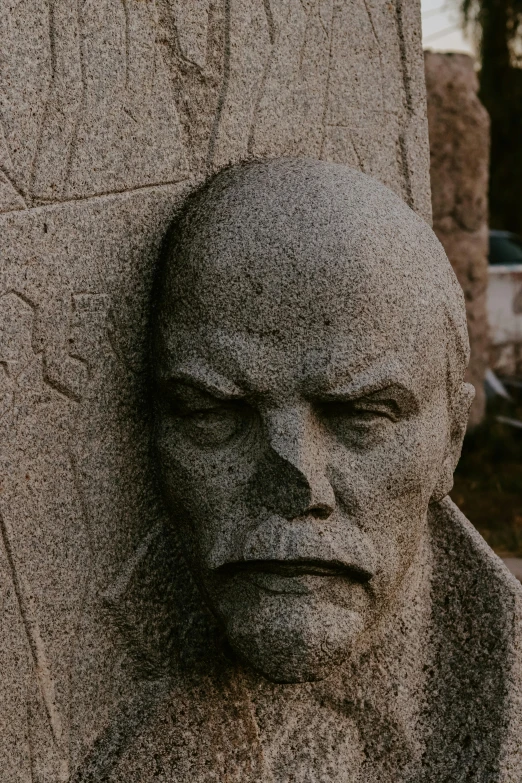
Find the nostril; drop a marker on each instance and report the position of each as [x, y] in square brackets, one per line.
[283, 488]
[320, 510]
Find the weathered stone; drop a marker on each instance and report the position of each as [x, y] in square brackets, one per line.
[110, 96]
[76, 497]
[310, 406]
[459, 150]
[108, 666]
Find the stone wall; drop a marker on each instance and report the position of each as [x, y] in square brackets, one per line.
[459, 151]
[100, 98]
[109, 112]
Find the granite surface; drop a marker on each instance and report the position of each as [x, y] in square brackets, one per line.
[110, 112]
[103, 97]
[314, 606]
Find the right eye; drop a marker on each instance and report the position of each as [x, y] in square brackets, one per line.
[202, 417]
[207, 421]
[214, 426]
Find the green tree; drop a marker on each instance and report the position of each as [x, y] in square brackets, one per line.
[497, 26]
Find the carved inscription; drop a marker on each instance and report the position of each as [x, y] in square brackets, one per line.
[133, 93]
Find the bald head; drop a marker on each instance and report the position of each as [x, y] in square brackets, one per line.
[309, 354]
[317, 252]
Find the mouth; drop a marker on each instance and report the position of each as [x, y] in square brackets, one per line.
[290, 569]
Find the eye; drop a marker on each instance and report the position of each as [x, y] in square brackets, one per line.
[358, 420]
[203, 418]
[217, 425]
[363, 410]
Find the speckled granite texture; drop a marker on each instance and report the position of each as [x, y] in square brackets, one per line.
[111, 666]
[103, 97]
[315, 607]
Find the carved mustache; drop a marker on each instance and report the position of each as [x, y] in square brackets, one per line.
[320, 547]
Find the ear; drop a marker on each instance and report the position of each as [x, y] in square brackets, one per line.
[459, 420]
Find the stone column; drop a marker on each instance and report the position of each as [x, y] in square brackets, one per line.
[459, 151]
[110, 111]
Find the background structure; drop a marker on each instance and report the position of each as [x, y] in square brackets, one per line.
[111, 110]
[459, 147]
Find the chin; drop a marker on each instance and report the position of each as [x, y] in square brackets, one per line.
[291, 639]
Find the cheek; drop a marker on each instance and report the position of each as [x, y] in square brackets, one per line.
[395, 477]
[386, 490]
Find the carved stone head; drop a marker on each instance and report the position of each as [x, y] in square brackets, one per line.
[309, 345]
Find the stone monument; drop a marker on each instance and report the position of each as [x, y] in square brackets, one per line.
[110, 112]
[316, 608]
[112, 665]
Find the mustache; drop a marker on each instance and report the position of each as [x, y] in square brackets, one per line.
[322, 547]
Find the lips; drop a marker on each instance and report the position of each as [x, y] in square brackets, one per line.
[295, 568]
[297, 549]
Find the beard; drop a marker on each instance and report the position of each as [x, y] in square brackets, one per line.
[292, 597]
[289, 637]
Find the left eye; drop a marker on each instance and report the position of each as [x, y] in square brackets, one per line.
[359, 411]
[358, 423]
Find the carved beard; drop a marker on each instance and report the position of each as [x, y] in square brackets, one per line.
[291, 638]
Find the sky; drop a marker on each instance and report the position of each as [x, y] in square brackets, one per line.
[440, 27]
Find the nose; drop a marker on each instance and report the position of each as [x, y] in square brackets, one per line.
[291, 479]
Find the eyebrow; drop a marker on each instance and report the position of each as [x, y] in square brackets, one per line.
[352, 392]
[204, 379]
[371, 383]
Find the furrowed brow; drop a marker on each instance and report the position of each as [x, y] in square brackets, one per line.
[203, 379]
[354, 391]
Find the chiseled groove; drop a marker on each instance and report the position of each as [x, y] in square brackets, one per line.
[7, 164]
[37, 648]
[408, 98]
[326, 103]
[57, 385]
[52, 36]
[224, 88]
[46, 103]
[272, 35]
[78, 115]
[270, 21]
[378, 42]
[127, 41]
[16, 190]
[95, 196]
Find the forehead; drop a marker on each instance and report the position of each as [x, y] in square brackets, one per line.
[285, 272]
[272, 316]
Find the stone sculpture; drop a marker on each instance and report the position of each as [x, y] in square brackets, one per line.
[110, 113]
[316, 608]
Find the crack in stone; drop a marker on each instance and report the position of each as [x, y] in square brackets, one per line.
[37, 648]
[224, 89]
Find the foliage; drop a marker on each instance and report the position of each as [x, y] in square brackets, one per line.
[488, 479]
[497, 25]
